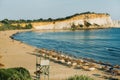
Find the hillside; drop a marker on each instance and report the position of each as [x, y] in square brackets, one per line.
[79, 21]
[116, 24]
[87, 20]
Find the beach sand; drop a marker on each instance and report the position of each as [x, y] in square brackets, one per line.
[17, 54]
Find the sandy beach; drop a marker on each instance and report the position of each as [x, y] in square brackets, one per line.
[16, 54]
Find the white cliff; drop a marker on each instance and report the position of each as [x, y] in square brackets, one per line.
[116, 24]
[95, 21]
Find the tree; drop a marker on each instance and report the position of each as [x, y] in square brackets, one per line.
[28, 26]
[49, 19]
[18, 26]
[5, 21]
[40, 19]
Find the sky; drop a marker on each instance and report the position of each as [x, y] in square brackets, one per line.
[36, 9]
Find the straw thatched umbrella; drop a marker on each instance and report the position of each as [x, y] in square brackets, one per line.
[67, 59]
[62, 60]
[116, 72]
[59, 57]
[77, 67]
[85, 63]
[49, 54]
[85, 67]
[116, 66]
[78, 62]
[91, 65]
[69, 63]
[54, 57]
[74, 63]
[91, 69]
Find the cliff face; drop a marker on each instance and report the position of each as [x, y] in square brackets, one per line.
[116, 24]
[83, 21]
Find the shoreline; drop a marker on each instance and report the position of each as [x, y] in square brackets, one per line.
[84, 58]
[16, 54]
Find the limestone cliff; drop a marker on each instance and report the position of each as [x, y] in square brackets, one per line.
[116, 24]
[82, 21]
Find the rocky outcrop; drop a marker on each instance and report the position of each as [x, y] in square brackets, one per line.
[82, 21]
[116, 24]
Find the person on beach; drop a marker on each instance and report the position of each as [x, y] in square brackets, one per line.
[12, 38]
[112, 71]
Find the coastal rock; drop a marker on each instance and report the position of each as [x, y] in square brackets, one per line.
[93, 20]
[116, 24]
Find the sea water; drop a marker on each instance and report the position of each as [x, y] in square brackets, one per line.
[101, 44]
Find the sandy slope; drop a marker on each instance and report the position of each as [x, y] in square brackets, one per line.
[17, 54]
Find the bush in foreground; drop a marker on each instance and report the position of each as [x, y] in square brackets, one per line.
[15, 74]
[82, 77]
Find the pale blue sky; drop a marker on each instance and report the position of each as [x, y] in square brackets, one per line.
[35, 9]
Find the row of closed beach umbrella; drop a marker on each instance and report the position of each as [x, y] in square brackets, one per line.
[67, 60]
[83, 63]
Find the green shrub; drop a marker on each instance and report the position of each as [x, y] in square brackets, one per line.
[82, 77]
[28, 26]
[15, 74]
[13, 27]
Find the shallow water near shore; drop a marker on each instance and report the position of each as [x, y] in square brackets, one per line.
[101, 45]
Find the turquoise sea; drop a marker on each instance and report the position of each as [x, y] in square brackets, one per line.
[101, 45]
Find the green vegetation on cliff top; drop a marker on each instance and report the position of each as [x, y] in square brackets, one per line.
[50, 19]
[8, 24]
